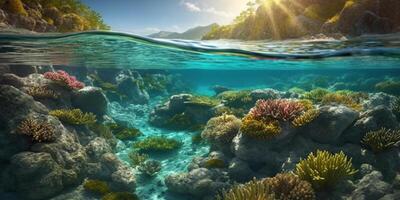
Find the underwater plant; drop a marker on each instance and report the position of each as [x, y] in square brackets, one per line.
[74, 116]
[237, 99]
[157, 143]
[38, 92]
[280, 109]
[316, 95]
[305, 118]
[254, 190]
[64, 79]
[123, 132]
[390, 87]
[150, 167]
[381, 140]
[287, 186]
[96, 186]
[136, 158]
[223, 128]
[324, 169]
[120, 196]
[343, 99]
[214, 163]
[39, 131]
[260, 129]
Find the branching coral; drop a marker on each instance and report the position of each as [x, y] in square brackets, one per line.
[223, 128]
[215, 163]
[96, 186]
[136, 158]
[305, 118]
[38, 92]
[120, 196]
[254, 190]
[150, 167]
[324, 169]
[64, 79]
[281, 109]
[381, 140]
[260, 129]
[316, 95]
[123, 132]
[40, 131]
[157, 143]
[288, 186]
[74, 116]
[338, 98]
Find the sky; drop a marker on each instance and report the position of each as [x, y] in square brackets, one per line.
[149, 16]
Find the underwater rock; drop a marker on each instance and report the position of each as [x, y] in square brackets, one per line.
[330, 124]
[123, 179]
[129, 86]
[239, 170]
[265, 94]
[90, 99]
[22, 70]
[97, 147]
[218, 89]
[34, 175]
[11, 79]
[176, 103]
[371, 187]
[199, 182]
[378, 99]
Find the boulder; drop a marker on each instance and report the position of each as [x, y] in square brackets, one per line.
[97, 147]
[130, 87]
[371, 187]
[239, 170]
[11, 79]
[379, 99]
[90, 99]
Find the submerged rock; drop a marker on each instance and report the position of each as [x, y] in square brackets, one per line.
[371, 187]
[129, 86]
[90, 99]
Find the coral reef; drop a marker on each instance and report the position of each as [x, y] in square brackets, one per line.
[122, 132]
[74, 116]
[316, 95]
[324, 169]
[381, 140]
[39, 92]
[202, 101]
[157, 143]
[96, 186]
[284, 110]
[221, 129]
[150, 167]
[305, 118]
[136, 158]
[237, 99]
[64, 79]
[288, 186]
[39, 131]
[256, 190]
[343, 99]
[259, 129]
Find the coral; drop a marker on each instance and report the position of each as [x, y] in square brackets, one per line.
[381, 140]
[96, 186]
[288, 186]
[38, 92]
[238, 112]
[74, 116]
[157, 143]
[154, 84]
[316, 95]
[214, 163]
[390, 87]
[324, 169]
[64, 79]
[307, 104]
[120, 196]
[102, 84]
[15, 7]
[236, 99]
[297, 90]
[136, 158]
[254, 190]
[150, 167]
[222, 128]
[305, 118]
[259, 129]
[281, 109]
[40, 131]
[338, 98]
[124, 133]
[202, 101]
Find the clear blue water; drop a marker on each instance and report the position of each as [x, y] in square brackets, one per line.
[356, 64]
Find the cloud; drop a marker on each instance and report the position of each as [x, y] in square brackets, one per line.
[191, 6]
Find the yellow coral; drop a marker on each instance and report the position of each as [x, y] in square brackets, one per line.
[39, 131]
[253, 190]
[287, 186]
[222, 128]
[306, 103]
[341, 99]
[96, 186]
[259, 129]
[74, 116]
[41, 92]
[324, 169]
[381, 139]
[305, 118]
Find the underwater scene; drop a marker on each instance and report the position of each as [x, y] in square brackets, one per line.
[89, 113]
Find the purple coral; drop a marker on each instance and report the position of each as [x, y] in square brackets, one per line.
[64, 78]
[281, 109]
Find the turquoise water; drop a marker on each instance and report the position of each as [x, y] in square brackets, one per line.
[357, 64]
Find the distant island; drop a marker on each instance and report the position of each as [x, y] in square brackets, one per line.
[49, 16]
[195, 33]
[283, 19]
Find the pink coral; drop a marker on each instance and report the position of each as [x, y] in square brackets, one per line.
[281, 109]
[64, 78]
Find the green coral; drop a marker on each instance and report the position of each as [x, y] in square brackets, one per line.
[381, 140]
[287, 186]
[96, 186]
[237, 99]
[305, 118]
[158, 144]
[259, 129]
[316, 95]
[324, 169]
[223, 128]
[120, 196]
[136, 158]
[343, 99]
[123, 132]
[74, 116]
[215, 163]
[253, 190]
[390, 87]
